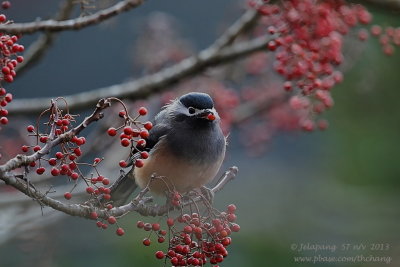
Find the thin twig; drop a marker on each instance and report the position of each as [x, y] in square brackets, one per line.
[150, 84]
[38, 48]
[71, 24]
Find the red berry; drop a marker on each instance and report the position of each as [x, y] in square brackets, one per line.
[128, 130]
[125, 142]
[6, 4]
[89, 190]
[144, 133]
[155, 226]
[3, 120]
[78, 151]
[8, 97]
[112, 131]
[147, 226]
[20, 59]
[235, 227]
[123, 164]
[161, 239]
[231, 208]
[93, 215]
[59, 155]
[55, 171]
[170, 222]
[3, 18]
[140, 224]
[5, 70]
[231, 217]
[187, 229]
[24, 148]
[122, 113]
[141, 143]
[67, 195]
[36, 148]
[211, 117]
[120, 231]
[111, 220]
[106, 181]
[174, 261]
[146, 242]
[74, 176]
[144, 154]
[40, 170]
[159, 255]
[139, 163]
[148, 125]
[8, 78]
[30, 128]
[142, 111]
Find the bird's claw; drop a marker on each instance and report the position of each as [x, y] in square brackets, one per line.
[207, 193]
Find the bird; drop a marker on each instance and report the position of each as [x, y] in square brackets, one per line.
[186, 148]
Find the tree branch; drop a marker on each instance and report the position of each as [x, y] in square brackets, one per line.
[38, 48]
[139, 204]
[72, 24]
[242, 24]
[150, 84]
[23, 160]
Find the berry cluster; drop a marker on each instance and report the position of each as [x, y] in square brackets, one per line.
[308, 48]
[5, 98]
[59, 134]
[9, 59]
[194, 239]
[133, 135]
[65, 160]
[388, 37]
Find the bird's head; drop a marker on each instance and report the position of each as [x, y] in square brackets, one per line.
[195, 108]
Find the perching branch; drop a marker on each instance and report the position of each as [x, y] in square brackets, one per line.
[138, 204]
[71, 24]
[150, 84]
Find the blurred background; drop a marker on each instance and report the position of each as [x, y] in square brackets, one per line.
[341, 186]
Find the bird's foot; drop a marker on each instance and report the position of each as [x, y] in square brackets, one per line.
[207, 193]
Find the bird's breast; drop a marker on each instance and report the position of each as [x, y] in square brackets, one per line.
[173, 172]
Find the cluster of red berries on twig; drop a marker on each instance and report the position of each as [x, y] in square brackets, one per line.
[5, 98]
[65, 160]
[195, 238]
[388, 37]
[9, 59]
[308, 49]
[133, 134]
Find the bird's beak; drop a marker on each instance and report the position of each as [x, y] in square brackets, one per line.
[207, 114]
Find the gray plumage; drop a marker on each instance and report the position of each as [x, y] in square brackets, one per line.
[186, 145]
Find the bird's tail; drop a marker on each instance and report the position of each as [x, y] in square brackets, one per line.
[122, 188]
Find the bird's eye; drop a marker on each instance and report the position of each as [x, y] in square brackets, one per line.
[191, 110]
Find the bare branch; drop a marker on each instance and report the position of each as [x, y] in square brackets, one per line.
[72, 24]
[150, 84]
[242, 24]
[38, 48]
